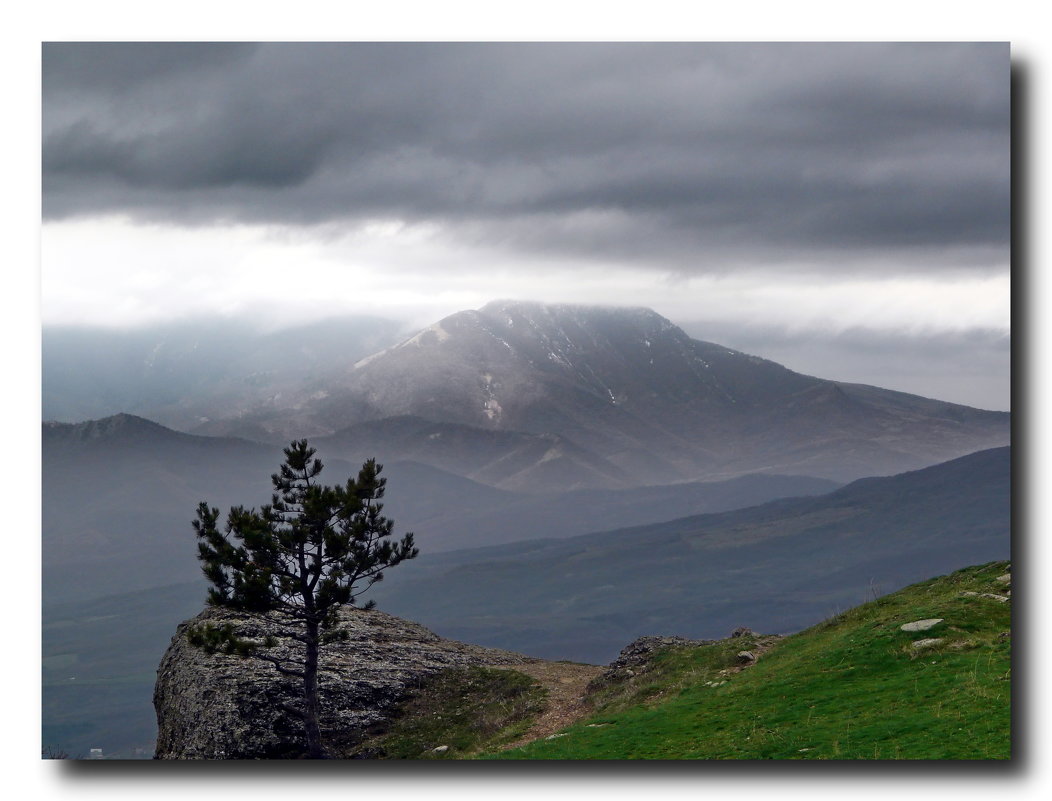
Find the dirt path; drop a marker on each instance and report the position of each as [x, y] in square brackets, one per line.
[566, 685]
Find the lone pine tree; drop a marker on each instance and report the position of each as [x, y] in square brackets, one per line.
[294, 563]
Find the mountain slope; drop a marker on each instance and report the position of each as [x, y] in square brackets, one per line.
[511, 460]
[631, 388]
[777, 567]
[854, 687]
[613, 397]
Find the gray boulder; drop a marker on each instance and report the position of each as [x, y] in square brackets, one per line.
[225, 707]
[922, 625]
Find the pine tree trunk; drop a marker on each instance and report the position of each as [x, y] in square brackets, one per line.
[311, 722]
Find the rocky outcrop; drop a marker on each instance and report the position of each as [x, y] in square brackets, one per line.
[639, 651]
[635, 656]
[216, 706]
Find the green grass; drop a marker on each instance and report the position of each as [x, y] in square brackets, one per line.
[465, 709]
[849, 688]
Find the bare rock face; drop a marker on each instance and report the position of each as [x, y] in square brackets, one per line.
[216, 706]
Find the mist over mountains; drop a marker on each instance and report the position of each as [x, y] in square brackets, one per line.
[119, 495]
[181, 374]
[528, 396]
[472, 416]
[575, 476]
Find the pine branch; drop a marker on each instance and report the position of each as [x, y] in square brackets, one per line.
[279, 664]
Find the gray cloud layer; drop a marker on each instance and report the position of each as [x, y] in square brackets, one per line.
[971, 367]
[694, 157]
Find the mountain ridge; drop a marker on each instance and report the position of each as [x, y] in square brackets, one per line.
[631, 397]
[632, 388]
[119, 494]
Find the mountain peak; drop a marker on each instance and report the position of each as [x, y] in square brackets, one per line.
[531, 330]
[512, 304]
[510, 310]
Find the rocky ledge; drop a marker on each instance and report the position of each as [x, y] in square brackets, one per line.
[638, 653]
[216, 706]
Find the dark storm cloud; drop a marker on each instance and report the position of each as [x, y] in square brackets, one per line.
[110, 67]
[693, 156]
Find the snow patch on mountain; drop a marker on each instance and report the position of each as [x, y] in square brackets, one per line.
[490, 405]
[430, 335]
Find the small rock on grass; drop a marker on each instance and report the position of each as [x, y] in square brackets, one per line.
[994, 596]
[928, 642]
[922, 625]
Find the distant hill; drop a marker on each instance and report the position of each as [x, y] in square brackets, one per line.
[119, 495]
[634, 395]
[777, 567]
[454, 513]
[502, 458]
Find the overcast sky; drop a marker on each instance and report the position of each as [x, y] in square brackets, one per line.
[842, 209]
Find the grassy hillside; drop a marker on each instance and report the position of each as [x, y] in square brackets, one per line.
[853, 687]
